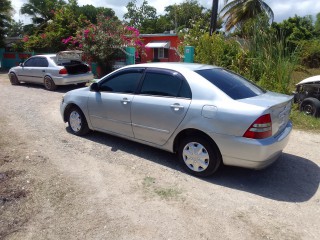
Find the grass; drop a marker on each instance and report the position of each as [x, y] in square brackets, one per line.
[166, 193]
[304, 122]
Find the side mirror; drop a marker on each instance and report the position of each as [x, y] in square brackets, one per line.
[94, 87]
[21, 64]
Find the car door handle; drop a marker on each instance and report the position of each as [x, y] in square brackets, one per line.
[125, 101]
[43, 70]
[176, 107]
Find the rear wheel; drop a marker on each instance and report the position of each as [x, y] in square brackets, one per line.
[49, 83]
[77, 122]
[13, 79]
[199, 156]
[310, 106]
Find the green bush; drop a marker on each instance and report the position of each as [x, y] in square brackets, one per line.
[310, 53]
[260, 55]
[219, 51]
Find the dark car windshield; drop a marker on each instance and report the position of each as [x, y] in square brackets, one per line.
[230, 83]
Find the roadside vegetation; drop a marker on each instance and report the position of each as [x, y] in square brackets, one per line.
[274, 55]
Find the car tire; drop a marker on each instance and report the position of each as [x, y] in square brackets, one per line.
[13, 79]
[49, 83]
[77, 122]
[199, 156]
[310, 106]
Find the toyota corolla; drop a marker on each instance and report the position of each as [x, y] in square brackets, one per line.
[207, 115]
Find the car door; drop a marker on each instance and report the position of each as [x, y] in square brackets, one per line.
[25, 72]
[33, 69]
[110, 107]
[160, 106]
[39, 70]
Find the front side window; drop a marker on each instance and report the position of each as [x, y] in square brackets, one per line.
[230, 83]
[161, 84]
[122, 83]
[31, 62]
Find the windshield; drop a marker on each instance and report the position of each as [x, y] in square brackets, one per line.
[230, 83]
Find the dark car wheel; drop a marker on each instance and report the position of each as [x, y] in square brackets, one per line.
[49, 83]
[310, 106]
[199, 156]
[13, 79]
[77, 122]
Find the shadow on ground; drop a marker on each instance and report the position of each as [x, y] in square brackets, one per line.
[60, 89]
[290, 179]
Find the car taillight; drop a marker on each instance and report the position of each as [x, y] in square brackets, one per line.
[63, 71]
[261, 128]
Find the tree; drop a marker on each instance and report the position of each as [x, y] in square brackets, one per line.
[5, 17]
[295, 29]
[317, 25]
[141, 17]
[102, 41]
[92, 12]
[65, 23]
[15, 29]
[238, 12]
[41, 10]
[183, 14]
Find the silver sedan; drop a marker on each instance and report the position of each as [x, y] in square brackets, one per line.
[51, 70]
[207, 115]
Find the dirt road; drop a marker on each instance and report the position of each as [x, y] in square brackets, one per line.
[54, 185]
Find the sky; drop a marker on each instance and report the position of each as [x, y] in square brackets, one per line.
[282, 9]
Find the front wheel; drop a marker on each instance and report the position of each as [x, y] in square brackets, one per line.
[310, 106]
[77, 122]
[13, 79]
[199, 156]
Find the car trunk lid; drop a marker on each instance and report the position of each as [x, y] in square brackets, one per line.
[72, 62]
[277, 105]
[69, 55]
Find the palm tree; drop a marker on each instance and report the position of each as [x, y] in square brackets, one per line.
[238, 12]
[41, 10]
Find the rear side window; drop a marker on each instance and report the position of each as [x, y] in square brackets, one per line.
[161, 84]
[231, 84]
[42, 62]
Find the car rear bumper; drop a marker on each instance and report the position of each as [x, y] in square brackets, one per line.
[252, 153]
[73, 79]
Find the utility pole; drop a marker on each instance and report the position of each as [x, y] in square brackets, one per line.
[214, 16]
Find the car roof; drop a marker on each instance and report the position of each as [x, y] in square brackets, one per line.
[175, 65]
[44, 55]
[313, 79]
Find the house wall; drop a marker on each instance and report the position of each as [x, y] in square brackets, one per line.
[172, 56]
[11, 59]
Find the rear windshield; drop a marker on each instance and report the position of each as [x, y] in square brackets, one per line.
[230, 83]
